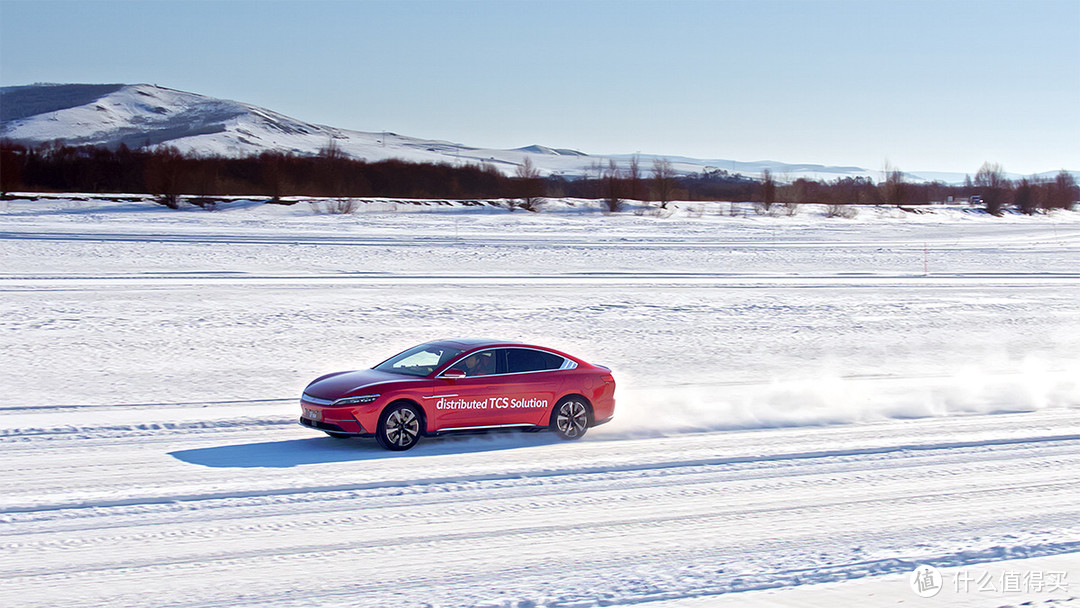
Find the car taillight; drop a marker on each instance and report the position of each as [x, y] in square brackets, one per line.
[608, 378]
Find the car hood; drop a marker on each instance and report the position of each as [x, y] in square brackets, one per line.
[336, 386]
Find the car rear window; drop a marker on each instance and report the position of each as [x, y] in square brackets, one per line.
[528, 360]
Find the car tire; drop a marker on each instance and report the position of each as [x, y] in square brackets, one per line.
[570, 418]
[338, 435]
[400, 426]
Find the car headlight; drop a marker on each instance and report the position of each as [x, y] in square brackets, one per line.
[355, 400]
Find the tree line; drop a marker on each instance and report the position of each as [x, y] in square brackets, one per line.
[167, 174]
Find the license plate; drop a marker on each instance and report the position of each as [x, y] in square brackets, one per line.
[310, 414]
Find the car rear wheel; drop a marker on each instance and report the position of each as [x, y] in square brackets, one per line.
[570, 418]
[399, 427]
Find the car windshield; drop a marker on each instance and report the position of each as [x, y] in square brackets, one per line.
[420, 360]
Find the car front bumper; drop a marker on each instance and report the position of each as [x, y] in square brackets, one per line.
[343, 427]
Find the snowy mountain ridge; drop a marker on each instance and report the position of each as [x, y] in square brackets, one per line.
[144, 114]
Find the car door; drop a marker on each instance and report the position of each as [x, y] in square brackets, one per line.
[534, 382]
[470, 401]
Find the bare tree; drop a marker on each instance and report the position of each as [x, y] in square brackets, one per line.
[1063, 191]
[768, 190]
[332, 170]
[893, 188]
[530, 186]
[633, 174]
[613, 187]
[273, 174]
[991, 182]
[337, 206]
[205, 179]
[663, 181]
[12, 159]
[163, 172]
[1026, 195]
[331, 151]
[843, 211]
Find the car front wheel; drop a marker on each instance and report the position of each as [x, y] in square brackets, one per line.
[399, 427]
[570, 418]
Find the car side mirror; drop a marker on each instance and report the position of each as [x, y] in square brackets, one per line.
[453, 373]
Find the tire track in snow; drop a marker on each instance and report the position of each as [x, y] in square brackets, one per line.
[119, 430]
[507, 506]
[401, 541]
[53, 408]
[588, 489]
[539, 474]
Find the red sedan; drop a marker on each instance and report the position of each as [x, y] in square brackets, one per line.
[458, 386]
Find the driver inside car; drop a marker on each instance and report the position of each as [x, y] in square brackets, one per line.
[480, 364]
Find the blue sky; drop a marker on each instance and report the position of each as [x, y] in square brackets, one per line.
[939, 85]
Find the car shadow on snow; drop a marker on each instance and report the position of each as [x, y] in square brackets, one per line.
[324, 450]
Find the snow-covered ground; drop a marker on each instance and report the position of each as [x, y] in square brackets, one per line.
[809, 407]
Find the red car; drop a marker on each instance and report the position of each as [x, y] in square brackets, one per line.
[461, 385]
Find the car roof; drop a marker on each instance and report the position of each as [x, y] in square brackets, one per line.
[469, 343]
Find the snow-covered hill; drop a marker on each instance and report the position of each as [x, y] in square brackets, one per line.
[137, 115]
[143, 114]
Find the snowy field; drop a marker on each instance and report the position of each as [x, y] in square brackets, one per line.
[809, 407]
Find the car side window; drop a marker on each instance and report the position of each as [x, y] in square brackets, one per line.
[482, 363]
[528, 360]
